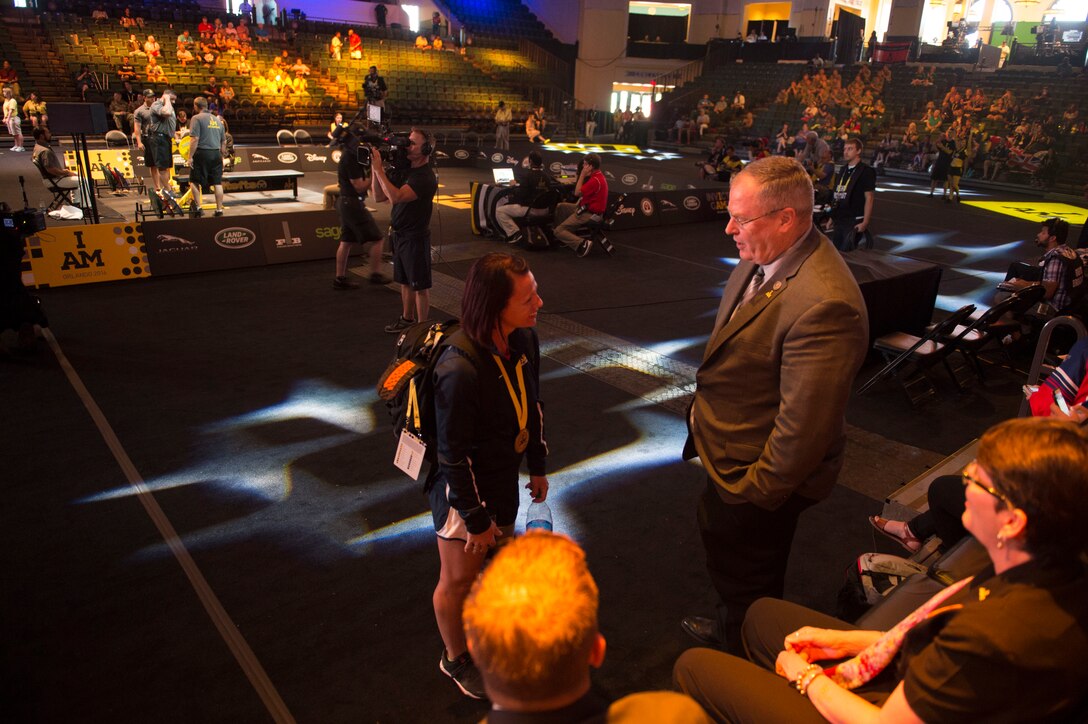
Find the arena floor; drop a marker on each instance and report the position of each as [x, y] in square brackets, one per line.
[207, 525]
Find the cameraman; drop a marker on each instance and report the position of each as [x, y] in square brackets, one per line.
[358, 227]
[19, 310]
[412, 195]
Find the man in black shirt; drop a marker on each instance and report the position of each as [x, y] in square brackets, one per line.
[531, 182]
[412, 195]
[853, 189]
[356, 224]
[126, 71]
[375, 88]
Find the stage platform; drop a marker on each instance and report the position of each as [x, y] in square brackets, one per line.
[228, 420]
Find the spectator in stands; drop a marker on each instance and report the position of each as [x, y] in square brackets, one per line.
[154, 71]
[503, 116]
[230, 31]
[209, 55]
[782, 140]
[945, 148]
[721, 106]
[245, 9]
[535, 663]
[681, 129]
[185, 56]
[752, 36]
[263, 34]
[11, 119]
[617, 123]
[134, 46]
[9, 78]
[380, 13]
[99, 15]
[50, 163]
[185, 40]
[300, 69]
[628, 120]
[422, 43]
[1018, 625]
[815, 148]
[355, 45]
[126, 71]
[151, 47]
[1060, 269]
[119, 111]
[438, 44]
[592, 189]
[738, 101]
[703, 122]
[127, 20]
[374, 88]
[1004, 54]
[334, 46]
[34, 109]
[243, 31]
[337, 122]
[591, 123]
[705, 103]
[243, 68]
[205, 29]
[84, 79]
[226, 96]
[436, 24]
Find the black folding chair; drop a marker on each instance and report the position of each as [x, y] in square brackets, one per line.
[597, 231]
[61, 195]
[992, 324]
[900, 348]
[539, 218]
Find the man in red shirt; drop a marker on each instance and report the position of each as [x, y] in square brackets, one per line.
[592, 187]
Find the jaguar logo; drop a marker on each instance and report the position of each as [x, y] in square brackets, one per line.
[666, 205]
[629, 179]
[259, 158]
[692, 203]
[287, 157]
[647, 207]
[235, 237]
[171, 239]
[461, 154]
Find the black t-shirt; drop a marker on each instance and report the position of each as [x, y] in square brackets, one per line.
[374, 87]
[849, 190]
[349, 168]
[414, 217]
[530, 183]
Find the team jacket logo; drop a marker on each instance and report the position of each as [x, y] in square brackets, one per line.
[235, 237]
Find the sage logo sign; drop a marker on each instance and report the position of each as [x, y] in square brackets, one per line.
[287, 157]
[235, 237]
[692, 203]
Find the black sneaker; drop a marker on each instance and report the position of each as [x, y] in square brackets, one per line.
[516, 238]
[219, 212]
[584, 248]
[378, 278]
[399, 326]
[465, 674]
[344, 283]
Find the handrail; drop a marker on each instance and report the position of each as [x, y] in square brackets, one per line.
[1040, 351]
[679, 76]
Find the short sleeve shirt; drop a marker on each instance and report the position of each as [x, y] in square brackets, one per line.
[207, 131]
[162, 122]
[349, 168]
[142, 115]
[414, 217]
[1061, 266]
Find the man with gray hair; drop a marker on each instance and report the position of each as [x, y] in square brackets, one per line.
[767, 420]
[207, 146]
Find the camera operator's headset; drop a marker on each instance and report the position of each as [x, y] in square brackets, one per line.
[427, 148]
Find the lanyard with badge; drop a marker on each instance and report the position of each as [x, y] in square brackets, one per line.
[844, 183]
[521, 407]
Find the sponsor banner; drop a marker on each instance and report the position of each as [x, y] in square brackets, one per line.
[182, 246]
[456, 156]
[119, 159]
[316, 158]
[266, 158]
[66, 255]
[299, 236]
[269, 182]
[690, 205]
[638, 210]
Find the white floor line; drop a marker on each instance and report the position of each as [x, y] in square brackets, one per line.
[227, 629]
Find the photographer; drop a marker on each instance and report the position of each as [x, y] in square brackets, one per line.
[412, 195]
[19, 310]
[853, 192]
[358, 227]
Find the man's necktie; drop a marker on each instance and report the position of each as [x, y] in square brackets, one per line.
[753, 286]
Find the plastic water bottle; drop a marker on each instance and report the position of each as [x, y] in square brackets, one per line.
[538, 517]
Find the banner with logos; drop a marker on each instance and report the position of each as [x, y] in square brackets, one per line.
[183, 246]
[67, 255]
[119, 159]
[689, 205]
[638, 210]
[300, 236]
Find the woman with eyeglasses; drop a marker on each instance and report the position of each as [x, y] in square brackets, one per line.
[1006, 645]
[945, 494]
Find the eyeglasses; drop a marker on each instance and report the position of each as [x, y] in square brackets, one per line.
[742, 222]
[969, 479]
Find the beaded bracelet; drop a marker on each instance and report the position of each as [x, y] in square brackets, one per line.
[809, 672]
[808, 681]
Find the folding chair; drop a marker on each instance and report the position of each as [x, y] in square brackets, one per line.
[61, 195]
[285, 137]
[597, 232]
[900, 348]
[116, 138]
[992, 324]
[302, 137]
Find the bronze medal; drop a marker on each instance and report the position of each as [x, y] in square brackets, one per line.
[521, 441]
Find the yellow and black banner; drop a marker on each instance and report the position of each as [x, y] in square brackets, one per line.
[65, 255]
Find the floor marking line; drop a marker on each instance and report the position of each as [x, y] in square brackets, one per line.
[227, 628]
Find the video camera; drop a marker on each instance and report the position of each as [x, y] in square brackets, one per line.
[392, 146]
[22, 223]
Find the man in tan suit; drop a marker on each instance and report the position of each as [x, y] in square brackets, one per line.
[768, 415]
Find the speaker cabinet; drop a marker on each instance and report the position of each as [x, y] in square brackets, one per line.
[74, 118]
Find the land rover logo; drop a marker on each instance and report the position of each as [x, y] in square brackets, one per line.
[495, 157]
[287, 157]
[647, 207]
[692, 203]
[461, 154]
[556, 167]
[235, 237]
[629, 179]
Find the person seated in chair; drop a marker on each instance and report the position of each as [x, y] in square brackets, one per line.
[592, 187]
[531, 628]
[1059, 269]
[969, 653]
[49, 162]
[531, 182]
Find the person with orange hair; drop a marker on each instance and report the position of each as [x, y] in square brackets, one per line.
[531, 626]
